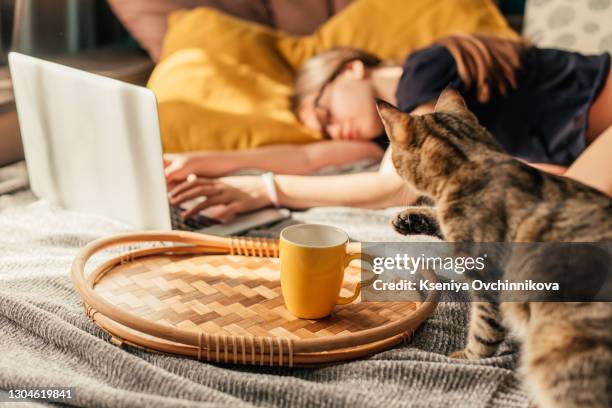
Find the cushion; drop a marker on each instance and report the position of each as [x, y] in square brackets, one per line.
[146, 19]
[214, 64]
[303, 17]
[393, 28]
[582, 26]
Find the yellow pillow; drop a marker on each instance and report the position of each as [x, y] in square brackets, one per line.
[224, 83]
[213, 102]
[391, 29]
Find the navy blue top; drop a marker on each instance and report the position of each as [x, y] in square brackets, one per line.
[543, 120]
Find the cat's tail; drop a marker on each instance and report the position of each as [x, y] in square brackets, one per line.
[567, 357]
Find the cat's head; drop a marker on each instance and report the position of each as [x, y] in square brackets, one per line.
[428, 149]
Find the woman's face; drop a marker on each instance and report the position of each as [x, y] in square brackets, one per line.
[345, 108]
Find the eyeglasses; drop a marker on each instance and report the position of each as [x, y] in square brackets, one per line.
[323, 113]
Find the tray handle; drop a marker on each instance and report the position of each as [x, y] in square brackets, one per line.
[253, 350]
[253, 246]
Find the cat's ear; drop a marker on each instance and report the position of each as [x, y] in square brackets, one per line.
[451, 101]
[394, 121]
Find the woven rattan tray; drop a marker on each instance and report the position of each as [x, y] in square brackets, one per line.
[219, 299]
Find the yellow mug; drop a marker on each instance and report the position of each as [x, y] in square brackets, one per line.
[313, 258]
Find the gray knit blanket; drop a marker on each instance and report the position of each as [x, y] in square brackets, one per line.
[47, 341]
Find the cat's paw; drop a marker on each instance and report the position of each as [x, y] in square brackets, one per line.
[459, 355]
[412, 222]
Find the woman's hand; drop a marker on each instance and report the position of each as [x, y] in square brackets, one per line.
[178, 166]
[206, 164]
[228, 195]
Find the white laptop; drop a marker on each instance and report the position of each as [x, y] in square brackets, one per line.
[93, 144]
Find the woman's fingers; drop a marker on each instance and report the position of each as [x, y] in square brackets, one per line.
[210, 201]
[176, 167]
[228, 212]
[195, 192]
[226, 199]
[189, 184]
[174, 171]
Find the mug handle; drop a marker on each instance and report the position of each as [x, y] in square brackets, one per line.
[348, 299]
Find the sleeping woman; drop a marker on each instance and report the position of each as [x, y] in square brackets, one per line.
[547, 107]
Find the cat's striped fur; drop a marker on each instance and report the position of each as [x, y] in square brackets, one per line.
[484, 195]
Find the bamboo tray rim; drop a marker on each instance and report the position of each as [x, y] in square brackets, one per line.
[120, 335]
[201, 244]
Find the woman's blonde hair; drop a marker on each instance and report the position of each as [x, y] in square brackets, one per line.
[323, 68]
[482, 61]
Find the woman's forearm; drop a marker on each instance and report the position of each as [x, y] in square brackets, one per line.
[365, 190]
[594, 166]
[270, 158]
[279, 158]
[285, 159]
[380, 189]
[549, 168]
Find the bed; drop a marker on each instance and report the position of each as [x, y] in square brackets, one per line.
[46, 339]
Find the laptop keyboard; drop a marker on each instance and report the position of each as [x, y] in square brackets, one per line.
[193, 223]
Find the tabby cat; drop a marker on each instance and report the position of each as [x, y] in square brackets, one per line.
[481, 194]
